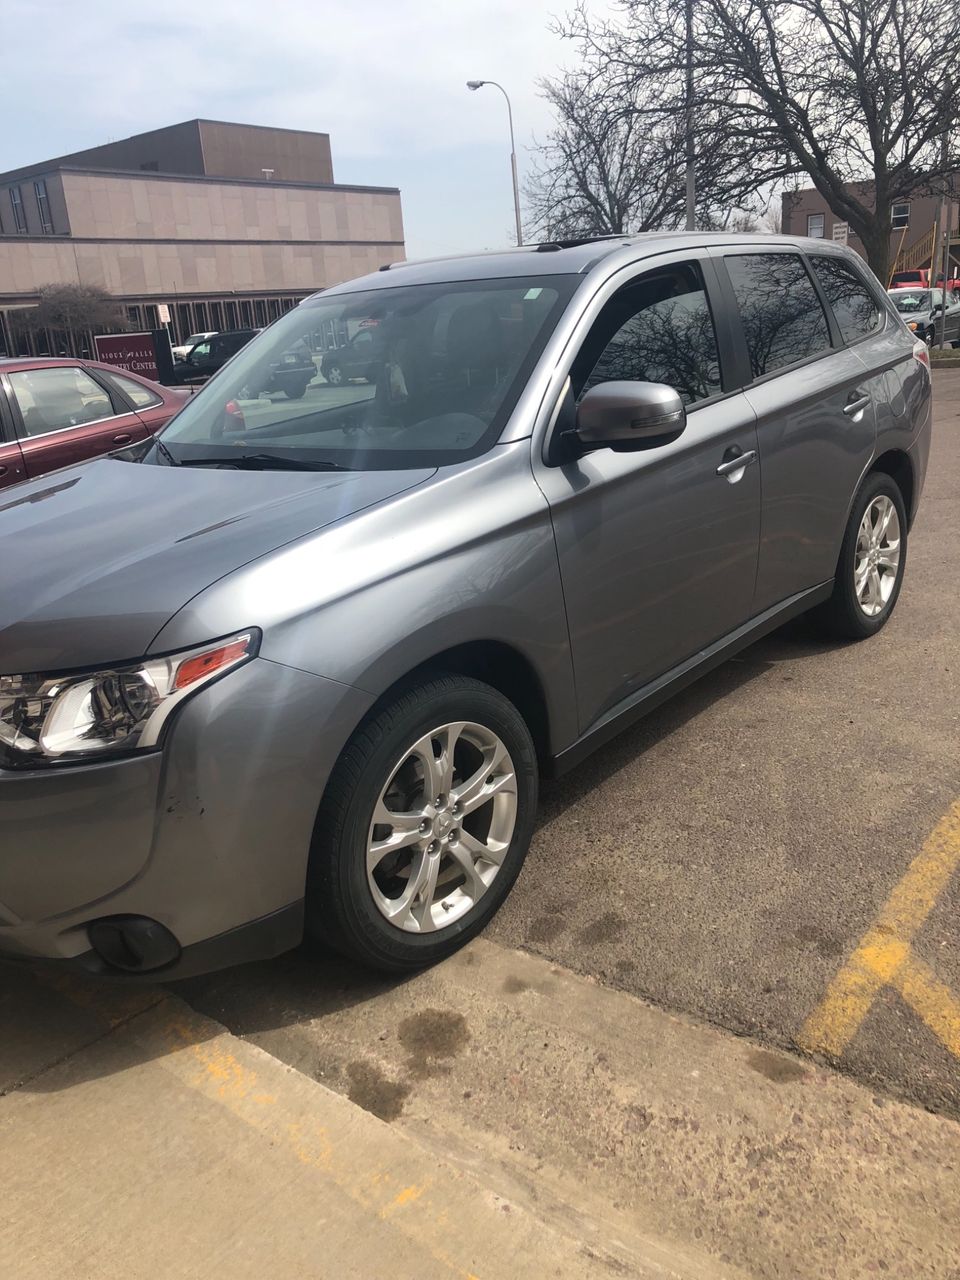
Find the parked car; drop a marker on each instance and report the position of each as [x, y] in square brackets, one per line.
[304, 670]
[921, 311]
[291, 372]
[207, 356]
[183, 349]
[56, 412]
[358, 358]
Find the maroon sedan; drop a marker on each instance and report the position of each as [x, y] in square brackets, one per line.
[56, 412]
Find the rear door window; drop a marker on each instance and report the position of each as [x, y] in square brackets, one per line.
[140, 396]
[783, 321]
[856, 311]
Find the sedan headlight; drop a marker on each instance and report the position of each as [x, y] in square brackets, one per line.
[912, 324]
[115, 710]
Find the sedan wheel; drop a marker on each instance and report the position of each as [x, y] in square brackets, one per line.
[334, 375]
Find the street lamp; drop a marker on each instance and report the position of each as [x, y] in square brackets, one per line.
[478, 84]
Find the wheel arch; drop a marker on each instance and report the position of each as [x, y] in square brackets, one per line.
[896, 463]
[498, 664]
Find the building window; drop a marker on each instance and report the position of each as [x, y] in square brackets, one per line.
[815, 225]
[19, 221]
[900, 219]
[43, 206]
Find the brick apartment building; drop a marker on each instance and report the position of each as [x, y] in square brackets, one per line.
[229, 225]
[912, 231]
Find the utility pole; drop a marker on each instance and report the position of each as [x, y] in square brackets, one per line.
[690, 152]
[944, 242]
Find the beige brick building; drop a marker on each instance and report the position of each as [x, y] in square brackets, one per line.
[228, 225]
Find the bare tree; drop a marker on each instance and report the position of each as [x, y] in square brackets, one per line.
[614, 161]
[857, 95]
[74, 310]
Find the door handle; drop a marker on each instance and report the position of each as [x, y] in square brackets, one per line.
[738, 463]
[856, 406]
[124, 438]
[3, 471]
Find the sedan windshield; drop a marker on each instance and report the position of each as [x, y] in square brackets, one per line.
[909, 301]
[409, 376]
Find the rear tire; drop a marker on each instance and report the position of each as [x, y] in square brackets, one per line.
[379, 892]
[867, 583]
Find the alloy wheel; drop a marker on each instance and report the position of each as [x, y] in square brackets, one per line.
[877, 558]
[441, 827]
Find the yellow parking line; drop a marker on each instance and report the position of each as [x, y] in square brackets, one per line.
[934, 1002]
[884, 955]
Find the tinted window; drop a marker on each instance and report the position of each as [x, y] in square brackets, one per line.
[142, 397]
[783, 320]
[51, 399]
[856, 312]
[658, 329]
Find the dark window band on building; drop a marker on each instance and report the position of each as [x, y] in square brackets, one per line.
[19, 221]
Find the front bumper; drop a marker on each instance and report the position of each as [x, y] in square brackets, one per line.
[206, 837]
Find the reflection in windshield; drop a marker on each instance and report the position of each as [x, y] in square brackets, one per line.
[392, 377]
[908, 301]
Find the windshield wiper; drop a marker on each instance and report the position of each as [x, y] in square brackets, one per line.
[263, 462]
[165, 451]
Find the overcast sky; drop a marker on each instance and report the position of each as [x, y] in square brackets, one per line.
[385, 78]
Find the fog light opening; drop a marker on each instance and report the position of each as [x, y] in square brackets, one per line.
[133, 944]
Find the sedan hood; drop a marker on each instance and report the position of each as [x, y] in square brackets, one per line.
[97, 558]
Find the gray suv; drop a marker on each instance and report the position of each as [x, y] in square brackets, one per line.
[300, 664]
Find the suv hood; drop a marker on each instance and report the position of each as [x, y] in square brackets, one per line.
[98, 557]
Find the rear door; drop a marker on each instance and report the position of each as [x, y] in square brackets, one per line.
[12, 469]
[153, 410]
[816, 419]
[62, 415]
[896, 381]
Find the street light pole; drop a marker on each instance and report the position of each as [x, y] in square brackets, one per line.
[478, 84]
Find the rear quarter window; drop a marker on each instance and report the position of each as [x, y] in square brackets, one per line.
[856, 310]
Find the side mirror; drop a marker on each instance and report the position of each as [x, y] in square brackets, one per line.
[629, 413]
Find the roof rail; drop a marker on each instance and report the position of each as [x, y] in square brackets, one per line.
[554, 246]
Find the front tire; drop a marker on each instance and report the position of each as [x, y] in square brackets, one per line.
[424, 826]
[334, 375]
[873, 557]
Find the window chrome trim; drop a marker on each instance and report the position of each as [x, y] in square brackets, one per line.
[42, 435]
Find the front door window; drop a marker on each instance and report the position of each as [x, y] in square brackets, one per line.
[58, 398]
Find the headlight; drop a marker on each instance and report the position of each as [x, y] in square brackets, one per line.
[912, 324]
[119, 709]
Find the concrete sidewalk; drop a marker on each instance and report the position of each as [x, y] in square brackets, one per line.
[139, 1139]
[576, 1134]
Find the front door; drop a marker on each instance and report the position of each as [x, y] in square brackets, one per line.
[63, 416]
[658, 549]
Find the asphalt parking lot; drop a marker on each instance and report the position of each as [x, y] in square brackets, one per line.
[724, 858]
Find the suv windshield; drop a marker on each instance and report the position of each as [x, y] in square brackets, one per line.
[911, 300]
[409, 376]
